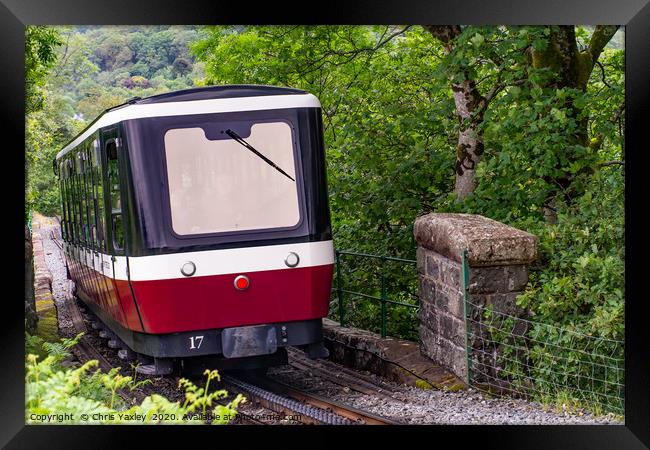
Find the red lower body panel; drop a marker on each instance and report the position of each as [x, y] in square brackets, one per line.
[197, 303]
[112, 296]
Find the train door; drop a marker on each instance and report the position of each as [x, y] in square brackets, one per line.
[116, 227]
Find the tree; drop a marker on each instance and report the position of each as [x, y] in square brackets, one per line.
[552, 61]
[570, 69]
[40, 44]
[182, 66]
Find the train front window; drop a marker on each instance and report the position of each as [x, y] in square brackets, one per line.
[218, 185]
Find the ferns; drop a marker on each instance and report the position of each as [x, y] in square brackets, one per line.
[86, 395]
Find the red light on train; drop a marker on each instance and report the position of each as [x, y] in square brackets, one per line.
[242, 282]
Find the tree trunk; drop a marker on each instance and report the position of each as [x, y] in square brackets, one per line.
[31, 318]
[470, 139]
[470, 106]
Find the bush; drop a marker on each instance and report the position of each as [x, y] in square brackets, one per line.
[55, 394]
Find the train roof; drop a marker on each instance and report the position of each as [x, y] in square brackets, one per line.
[201, 100]
[211, 92]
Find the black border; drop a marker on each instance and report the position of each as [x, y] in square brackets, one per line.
[635, 14]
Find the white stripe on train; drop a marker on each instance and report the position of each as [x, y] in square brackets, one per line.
[217, 105]
[212, 262]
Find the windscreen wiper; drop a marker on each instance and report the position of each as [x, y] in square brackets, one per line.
[240, 140]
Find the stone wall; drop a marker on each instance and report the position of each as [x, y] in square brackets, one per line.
[497, 257]
[31, 318]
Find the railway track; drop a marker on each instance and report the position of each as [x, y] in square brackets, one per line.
[339, 375]
[306, 407]
[277, 398]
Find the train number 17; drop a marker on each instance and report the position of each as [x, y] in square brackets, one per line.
[195, 342]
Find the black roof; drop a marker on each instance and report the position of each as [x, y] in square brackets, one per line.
[211, 92]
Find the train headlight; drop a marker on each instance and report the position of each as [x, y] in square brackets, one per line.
[188, 269]
[292, 259]
[242, 282]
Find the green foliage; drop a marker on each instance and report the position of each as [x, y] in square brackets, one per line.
[34, 345]
[58, 395]
[580, 276]
[40, 45]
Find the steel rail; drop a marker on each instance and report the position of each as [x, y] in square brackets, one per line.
[350, 413]
[282, 404]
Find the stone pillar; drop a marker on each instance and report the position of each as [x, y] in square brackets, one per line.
[498, 256]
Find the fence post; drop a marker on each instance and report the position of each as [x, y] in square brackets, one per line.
[339, 288]
[383, 299]
[466, 310]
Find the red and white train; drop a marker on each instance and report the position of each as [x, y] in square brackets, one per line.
[196, 226]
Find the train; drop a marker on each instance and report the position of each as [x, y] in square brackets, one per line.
[196, 226]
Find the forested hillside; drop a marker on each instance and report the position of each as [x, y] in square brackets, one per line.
[524, 125]
[95, 68]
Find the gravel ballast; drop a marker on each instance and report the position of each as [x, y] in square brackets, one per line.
[412, 405]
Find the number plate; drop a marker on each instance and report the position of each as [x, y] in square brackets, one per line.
[248, 341]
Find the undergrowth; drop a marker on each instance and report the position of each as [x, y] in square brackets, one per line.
[85, 395]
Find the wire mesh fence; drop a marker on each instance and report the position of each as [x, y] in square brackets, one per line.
[520, 357]
[512, 354]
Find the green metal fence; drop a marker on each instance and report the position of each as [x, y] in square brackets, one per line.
[515, 355]
[384, 280]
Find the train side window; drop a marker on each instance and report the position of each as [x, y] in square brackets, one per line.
[113, 175]
[80, 205]
[75, 205]
[97, 158]
[66, 193]
[98, 194]
[64, 208]
[117, 226]
[84, 200]
[62, 197]
[69, 219]
[92, 200]
[101, 219]
[64, 203]
[80, 164]
[118, 232]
